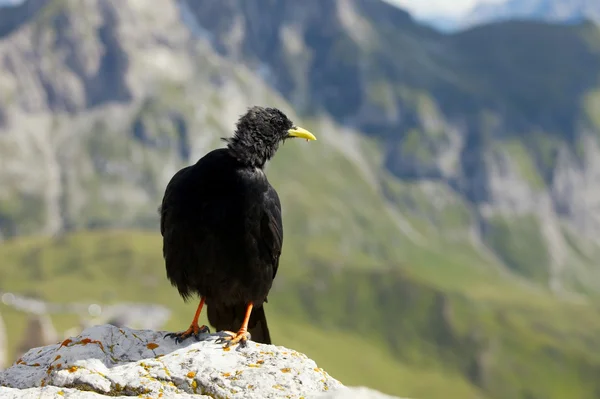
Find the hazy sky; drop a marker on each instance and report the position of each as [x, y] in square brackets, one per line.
[449, 8]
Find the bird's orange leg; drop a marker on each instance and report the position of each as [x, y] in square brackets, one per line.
[242, 335]
[194, 329]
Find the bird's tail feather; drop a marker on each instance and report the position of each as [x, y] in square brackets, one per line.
[231, 317]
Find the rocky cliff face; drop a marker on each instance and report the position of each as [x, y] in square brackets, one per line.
[101, 105]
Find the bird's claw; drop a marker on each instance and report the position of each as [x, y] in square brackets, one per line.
[232, 338]
[194, 330]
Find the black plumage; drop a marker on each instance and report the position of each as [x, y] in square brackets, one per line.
[222, 228]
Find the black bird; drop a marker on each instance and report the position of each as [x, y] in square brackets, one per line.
[222, 229]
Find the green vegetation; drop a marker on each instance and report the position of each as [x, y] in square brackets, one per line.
[544, 147]
[591, 106]
[381, 95]
[416, 147]
[436, 326]
[21, 215]
[436, 205]
[521, 245]
[523, 160]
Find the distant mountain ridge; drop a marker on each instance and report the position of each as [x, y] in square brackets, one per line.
[559, 11]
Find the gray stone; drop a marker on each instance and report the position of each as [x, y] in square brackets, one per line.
[108, 360]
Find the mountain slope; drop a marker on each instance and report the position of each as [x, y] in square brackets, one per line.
[468, 116]
[387, 328]
[501, 118]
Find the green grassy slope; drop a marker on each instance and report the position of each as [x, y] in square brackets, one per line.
[390, 328]
[127, 266]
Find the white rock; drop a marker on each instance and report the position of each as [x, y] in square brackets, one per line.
[107, 360]
[62, 393]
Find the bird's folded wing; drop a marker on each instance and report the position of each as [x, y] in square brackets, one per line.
[272, 229]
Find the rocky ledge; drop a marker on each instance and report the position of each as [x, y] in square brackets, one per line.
[119, 362]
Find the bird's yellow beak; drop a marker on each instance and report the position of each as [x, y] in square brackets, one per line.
[301, 133]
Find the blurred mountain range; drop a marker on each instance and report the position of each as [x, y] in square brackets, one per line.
[563, 11]
[497, 126]
[451, 202]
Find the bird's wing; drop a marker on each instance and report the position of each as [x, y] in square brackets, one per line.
[197, 211]
[169, 199]
[183, 237]
[272, 228]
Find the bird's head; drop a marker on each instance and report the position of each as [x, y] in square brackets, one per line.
[259, 132]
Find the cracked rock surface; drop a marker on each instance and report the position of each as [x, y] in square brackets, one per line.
[119, 362]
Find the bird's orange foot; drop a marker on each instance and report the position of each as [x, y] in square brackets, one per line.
[241, 337]
[194, 330]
